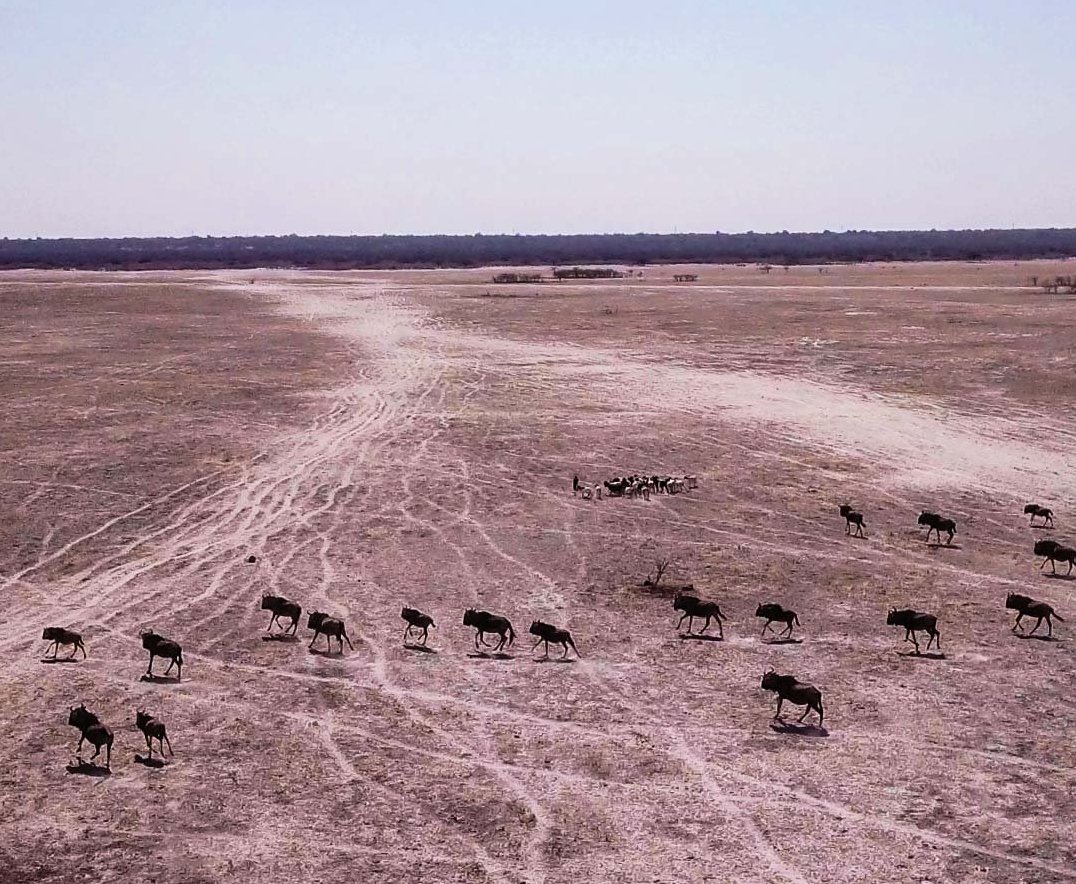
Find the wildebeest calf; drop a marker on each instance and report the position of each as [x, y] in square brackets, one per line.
[92, 731]
[417, 620]
[1041, 512]
[485, 622]
[773, 612]
[693, 607]
[913, 622]
[282, 607]
[787, 687]
[936, 524]
[153, 729]
[1028, 607]
[547, 633]
[851, 517]
[57, 635]
[323, 624]
[159, 646]
[1054, 552]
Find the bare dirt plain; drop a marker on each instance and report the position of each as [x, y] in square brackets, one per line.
[387, 438]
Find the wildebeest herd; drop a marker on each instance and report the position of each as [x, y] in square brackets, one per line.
[691, 607]
[634, 486]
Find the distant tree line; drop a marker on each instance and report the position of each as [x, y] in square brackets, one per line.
[372, 252]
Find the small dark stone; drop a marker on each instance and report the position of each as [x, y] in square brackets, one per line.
[251, 560]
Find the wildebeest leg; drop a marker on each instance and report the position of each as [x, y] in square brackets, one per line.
[535, 645]
[149, 744]
[349, 644]
[169, 742]
[54, 647]
[108, 755]
[720, 628]
[1019, 616]
[949, 540]
[476, 635]
[788, 631]
[1053, 566]
[1044, 561]
[805, 711]
[682, 619]
[171, 663]
[407, 632]
[847, 527]
[1038, 623]
[764, 628]
[565, 654]
[78, 748]
[1049, 625]
[149, 671]
[425, 634]
[705, 625]
[915, 642]
[504, 638]
[272, 620]
[780, 700]
[96, 751]
[314, 639]
[545, 656]
[74, 650]
[859, 529]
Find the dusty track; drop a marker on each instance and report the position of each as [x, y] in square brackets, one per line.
[421, 452]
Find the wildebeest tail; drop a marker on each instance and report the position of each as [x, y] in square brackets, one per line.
[797, 619]
[574, 648]
[1059, 617]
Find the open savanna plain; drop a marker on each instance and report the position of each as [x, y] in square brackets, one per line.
[377, 439]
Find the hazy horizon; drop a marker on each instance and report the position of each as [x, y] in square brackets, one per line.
[590, 117]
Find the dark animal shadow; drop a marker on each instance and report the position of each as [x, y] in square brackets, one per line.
[280, 637]
[155, 763]
[945, 546]
[86, 769]
[318, 652]
[482, 655]
[698, 637]
[798, 730]
[160, 679]
[926, 655]
[1037, 638]
[59, 660]
[1061, 576]
[422, 649]
[784, 641]
[555, 660]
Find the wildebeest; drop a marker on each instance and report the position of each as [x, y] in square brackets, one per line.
[485, 622]
[692, 607]
[159, 646]
[936, 523]
[1042, 512]
[1028, 607]
[282, 607]
[777, 613]
[57, 635]
[417, 620]
[92, 731]
[913, 622]
[153, 729]
[787, 687]
[851, 517]
[323, 624]
[1054, 552]
[547, 633]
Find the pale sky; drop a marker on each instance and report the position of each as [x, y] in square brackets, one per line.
[552, 116]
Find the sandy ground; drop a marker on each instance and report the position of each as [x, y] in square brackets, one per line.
[379, 439]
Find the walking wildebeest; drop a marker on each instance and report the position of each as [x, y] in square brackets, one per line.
[1042, 512]
[913, 622]
[777, 613]
[485, 622]
[159, 646]
[1028, 607]
[417, 620]
[851, 517]
[323, 624]
[57, 635]
[547, 633]
[693, 607]
[936, 524]
[92, 730]
[282, 607]
[1054, 552]
[153, 729]
[787, 687]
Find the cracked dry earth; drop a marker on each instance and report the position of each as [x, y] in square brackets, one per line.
[380, 439]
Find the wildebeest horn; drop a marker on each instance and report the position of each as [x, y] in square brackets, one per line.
[768, 671]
